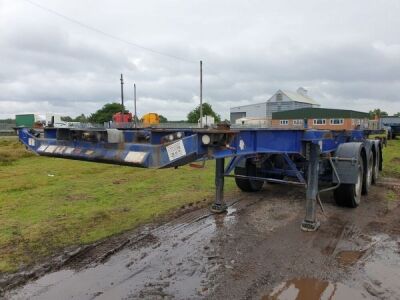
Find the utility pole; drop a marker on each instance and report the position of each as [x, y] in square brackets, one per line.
[122, 98]
[134, 100]
[201, 94]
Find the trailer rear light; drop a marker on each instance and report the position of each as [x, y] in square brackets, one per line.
[170, 137]
[179, 135]
[205, 139]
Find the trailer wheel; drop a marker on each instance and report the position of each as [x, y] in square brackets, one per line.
[248, 185]
[350, 194]
[368, 175]
[375, 171]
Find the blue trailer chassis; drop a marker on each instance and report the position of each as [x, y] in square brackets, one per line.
[301, 153]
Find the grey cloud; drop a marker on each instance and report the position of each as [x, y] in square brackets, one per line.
[249, 51]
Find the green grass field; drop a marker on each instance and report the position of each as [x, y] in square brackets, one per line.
[47, 204]
[391, 159]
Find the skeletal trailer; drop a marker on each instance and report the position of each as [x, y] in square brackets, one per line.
[347, 162]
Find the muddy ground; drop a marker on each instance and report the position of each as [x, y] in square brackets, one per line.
[255, 251]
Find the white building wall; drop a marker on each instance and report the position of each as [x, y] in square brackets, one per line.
[258, 110]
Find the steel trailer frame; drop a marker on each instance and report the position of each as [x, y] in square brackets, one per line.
[302, 153]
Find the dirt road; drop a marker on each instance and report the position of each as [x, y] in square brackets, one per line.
[255, 251]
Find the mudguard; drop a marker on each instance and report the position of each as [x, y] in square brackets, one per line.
[347, 168]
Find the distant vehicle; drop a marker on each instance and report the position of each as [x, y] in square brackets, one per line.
[395, 130]
[150, 119]
[26, 120]
[122, 118]
[207, 121]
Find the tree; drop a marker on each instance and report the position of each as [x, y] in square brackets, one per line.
[66, 119]
[194, 115]
[105, 113]
[377, 113]
[82, 119]
[163, 119]
[397, 114]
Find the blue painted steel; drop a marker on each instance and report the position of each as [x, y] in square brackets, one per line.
[148, 147]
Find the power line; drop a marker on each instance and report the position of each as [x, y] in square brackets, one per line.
[54, 12]
[99, 31]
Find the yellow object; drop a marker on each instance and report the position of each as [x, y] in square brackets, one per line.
[150, 118]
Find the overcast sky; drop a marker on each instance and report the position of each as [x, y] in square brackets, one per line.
[346, 53]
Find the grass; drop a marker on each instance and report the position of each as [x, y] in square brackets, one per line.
[391, 159]
[47, 204]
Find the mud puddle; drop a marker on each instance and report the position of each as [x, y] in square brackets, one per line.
[176, 260]
[310, 289]
[376, 276]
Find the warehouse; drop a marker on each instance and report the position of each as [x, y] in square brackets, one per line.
[320, 118]
[280, 101]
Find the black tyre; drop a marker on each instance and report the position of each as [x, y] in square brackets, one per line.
[375, 171]
[248, 185]
[349, 195]
[367, 181]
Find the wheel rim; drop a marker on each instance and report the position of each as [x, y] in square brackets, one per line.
[376, 172]
[358, 186]
[369, 172]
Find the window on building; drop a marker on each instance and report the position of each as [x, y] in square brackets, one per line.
[279, 97]
[298, 122]
[337, 121]
[284, 122]
[319, 121]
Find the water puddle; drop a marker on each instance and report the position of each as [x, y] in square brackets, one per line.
[310, 289]
[381, 271]
[178, 261]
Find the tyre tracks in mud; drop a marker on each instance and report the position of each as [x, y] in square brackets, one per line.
[255, 251]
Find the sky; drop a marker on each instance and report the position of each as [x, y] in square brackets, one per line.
[345, 53]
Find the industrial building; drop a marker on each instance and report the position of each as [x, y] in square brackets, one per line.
[280, 101]
[320, 118]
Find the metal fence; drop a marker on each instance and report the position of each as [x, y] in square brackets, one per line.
[169, 125]
[7, 129]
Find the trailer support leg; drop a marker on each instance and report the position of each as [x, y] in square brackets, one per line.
[310, 222]
[219, 205]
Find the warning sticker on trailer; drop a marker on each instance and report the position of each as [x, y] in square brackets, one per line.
[176, 150]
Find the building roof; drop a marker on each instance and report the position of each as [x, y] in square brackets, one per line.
[315, 112]
[299, 97]
[294, 96]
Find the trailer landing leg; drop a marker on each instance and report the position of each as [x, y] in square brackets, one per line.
[310, 222]
[219, 205]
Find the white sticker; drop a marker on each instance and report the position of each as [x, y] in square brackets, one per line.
[42, 148]
[241, 144]
[135, 157]
[31, 142]
[60, 149]
[69, 150]
[176, 150]
[50, 149]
